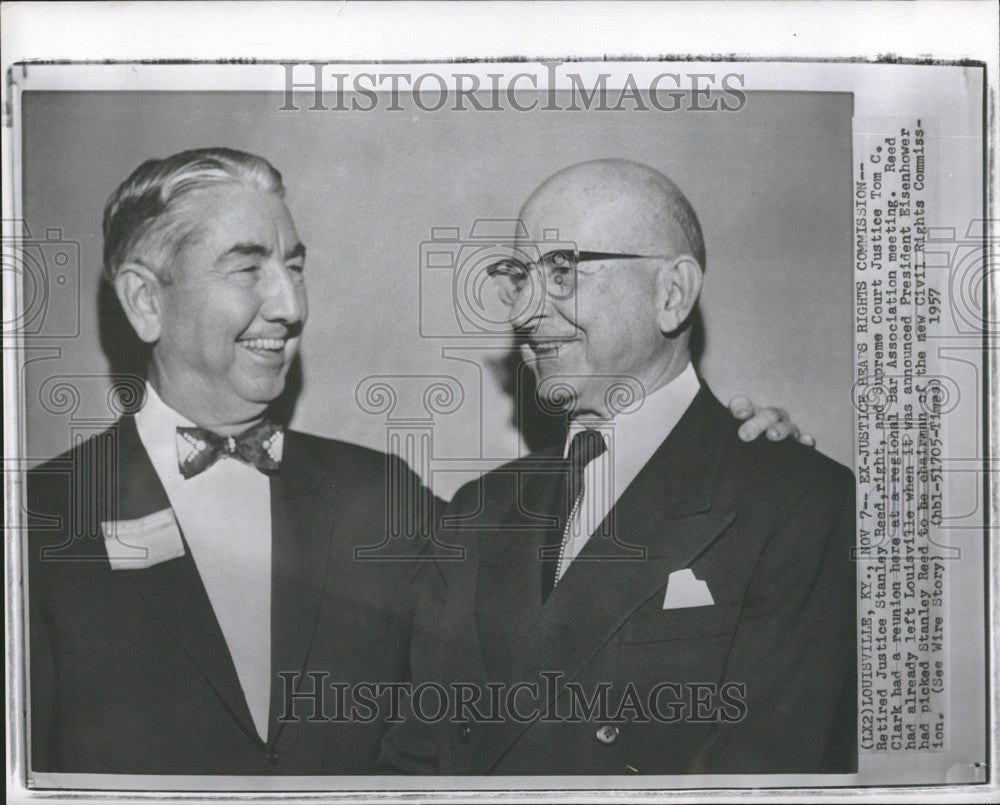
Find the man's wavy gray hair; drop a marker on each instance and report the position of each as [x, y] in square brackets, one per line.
[143, 218]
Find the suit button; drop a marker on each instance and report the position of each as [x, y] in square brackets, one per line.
[464, 733]
[272, 757]
[608, 734]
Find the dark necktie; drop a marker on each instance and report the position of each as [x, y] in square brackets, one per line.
[259, 446]
[585, 447]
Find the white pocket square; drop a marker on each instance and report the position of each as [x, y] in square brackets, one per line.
[142, 543]
[684, 590]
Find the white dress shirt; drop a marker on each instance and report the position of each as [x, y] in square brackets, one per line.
[632, 439]
[225, 516]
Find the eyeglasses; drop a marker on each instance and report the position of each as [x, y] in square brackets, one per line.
[558, 271]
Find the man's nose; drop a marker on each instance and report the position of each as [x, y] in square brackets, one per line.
[283, 293]
[528, 308]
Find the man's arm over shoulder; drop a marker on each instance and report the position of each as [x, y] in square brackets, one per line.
[402, 512]
[382, 483]
[394, 501]
[411, 746]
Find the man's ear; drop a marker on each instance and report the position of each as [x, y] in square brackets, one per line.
[678, 285]
[138, 289]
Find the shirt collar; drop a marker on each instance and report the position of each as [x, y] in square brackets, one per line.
[157, 424]
[637, 434]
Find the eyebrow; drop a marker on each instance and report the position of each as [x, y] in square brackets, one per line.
[259, 250]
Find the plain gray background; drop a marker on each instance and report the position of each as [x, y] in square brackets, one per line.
[771, 185]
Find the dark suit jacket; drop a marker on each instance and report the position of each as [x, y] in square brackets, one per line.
[129, 670]
[767, 526]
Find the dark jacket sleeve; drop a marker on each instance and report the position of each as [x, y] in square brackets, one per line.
[410, 746]
[41, 667]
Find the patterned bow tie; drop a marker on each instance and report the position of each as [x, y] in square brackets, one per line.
[260, 446]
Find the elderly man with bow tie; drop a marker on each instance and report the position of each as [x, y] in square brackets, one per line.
[224, 549]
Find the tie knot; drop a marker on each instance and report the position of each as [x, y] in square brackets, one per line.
[585, 447]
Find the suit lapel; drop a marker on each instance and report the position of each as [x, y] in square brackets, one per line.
[663, 522]
[508, 586]
[174, 590]
[304, 497]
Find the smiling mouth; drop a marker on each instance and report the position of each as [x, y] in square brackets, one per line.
[550, 346]
[264, 346]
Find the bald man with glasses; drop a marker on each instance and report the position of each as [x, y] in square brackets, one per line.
[655, 595]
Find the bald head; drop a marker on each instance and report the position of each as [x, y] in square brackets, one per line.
[625, 318]
[613, 205]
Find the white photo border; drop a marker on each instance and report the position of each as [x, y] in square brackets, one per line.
[836, 76]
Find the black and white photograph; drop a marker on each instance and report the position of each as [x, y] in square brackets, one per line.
[511, 424]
